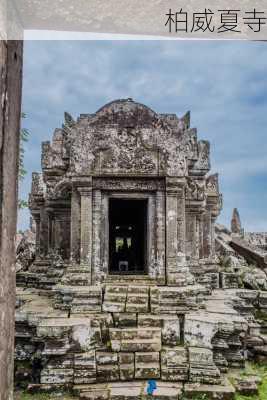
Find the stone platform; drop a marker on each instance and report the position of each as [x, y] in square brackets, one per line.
[119, 333]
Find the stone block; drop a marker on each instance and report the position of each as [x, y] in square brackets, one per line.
[200, 356]
[229, 280]
[149, 321]
[135, 339]
[165, 391]
[97, 391]
[108, 373]
[201, 366]
[174, 364]
[212, 392]
[84, 376]
[85, 360]
[106, 358]
[56, 376]
[140, 345]
[85, 337]
[147, 370]
[247, 386]
[56, 347]
[166, 299]
[171, 331]
[54, 327]
[125, 320]
[126, 364]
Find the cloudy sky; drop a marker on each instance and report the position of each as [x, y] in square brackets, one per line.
[224, 84]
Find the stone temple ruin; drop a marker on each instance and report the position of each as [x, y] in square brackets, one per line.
[132, 280]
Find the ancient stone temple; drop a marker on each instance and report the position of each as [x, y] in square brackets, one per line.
[125, 191]
[133, 289]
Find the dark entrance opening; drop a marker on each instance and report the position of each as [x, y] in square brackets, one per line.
[127, 236]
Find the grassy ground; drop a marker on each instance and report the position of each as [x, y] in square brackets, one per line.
[20, 395]
[261, 371]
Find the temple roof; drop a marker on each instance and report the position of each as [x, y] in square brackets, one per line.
[124, 105]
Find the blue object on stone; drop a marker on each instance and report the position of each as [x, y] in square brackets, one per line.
[151, 386]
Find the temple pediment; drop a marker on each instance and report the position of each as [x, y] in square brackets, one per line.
[126, 137]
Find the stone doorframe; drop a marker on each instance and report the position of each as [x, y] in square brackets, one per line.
[155, 262]
[94, 223]
[150, 234]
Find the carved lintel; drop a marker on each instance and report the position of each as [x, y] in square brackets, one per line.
[124, 184]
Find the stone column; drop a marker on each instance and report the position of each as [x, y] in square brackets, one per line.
[97, 272]
[50, 235]
[37, 233]
[44, 224]
[175, 228]
[160, 236]
[105, 233]
[75, 225]
[200, 236]
[171, 224]
[177, 270]
[207, 234]
[191, 235]
[197, 244]
[181, 218]
[212, 233]
[57, 232]
[86, 227]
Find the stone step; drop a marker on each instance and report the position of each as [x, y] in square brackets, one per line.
[135, 339]
[85, 309]
[116, 289]
[76, 279]
[115, 297]
[223, 391]
[113, 307]
[129, 391]
[134, 280]
[80, 301]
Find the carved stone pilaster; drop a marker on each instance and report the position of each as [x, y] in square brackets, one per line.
[200, 236]
[160, 236]
[43, 242]
[97, 272]
[177, 270]
[75, 225]
[207, 238]
[181, 218]
[171, 223]
[36, 217]
[191, 235]
[86, 226]
[212, 233]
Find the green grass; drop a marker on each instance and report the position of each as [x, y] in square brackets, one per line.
[261, 315]
[22, 395]
[28, 396]
[261, 371]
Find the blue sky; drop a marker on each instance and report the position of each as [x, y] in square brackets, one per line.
[222, 83]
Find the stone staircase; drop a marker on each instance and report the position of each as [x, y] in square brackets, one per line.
[78, 299]
[114, 338]
[76, 275]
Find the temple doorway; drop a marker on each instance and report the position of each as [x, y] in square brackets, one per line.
[127, 236]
